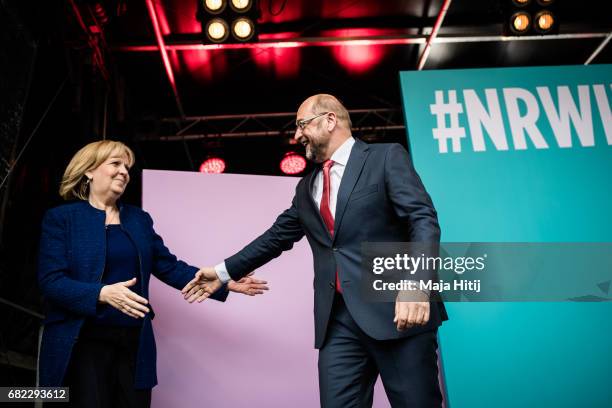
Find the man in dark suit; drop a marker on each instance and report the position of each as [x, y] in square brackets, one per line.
[360, 193]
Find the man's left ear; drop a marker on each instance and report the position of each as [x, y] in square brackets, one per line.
[332, 121]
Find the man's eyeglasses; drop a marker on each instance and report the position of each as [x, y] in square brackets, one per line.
[302, 123]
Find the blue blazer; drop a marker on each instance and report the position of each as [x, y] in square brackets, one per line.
[71, 264]
[381, 199]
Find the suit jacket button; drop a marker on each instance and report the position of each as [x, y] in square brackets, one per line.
[335, 249]
[332, 285]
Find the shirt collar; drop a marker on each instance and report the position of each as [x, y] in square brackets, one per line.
[341, 155]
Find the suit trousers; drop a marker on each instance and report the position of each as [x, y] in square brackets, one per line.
[350, 362]
[102, 369]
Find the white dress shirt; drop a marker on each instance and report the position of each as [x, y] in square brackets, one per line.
[340, 158]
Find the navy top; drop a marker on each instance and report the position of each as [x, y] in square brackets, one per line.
[121, 265]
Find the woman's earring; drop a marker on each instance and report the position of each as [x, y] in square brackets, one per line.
[88, 181]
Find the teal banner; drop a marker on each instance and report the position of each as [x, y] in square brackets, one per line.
[520, 155]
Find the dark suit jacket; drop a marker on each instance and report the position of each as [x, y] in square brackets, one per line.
[381, 199]
[71, 263]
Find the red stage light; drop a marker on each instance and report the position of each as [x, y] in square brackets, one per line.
[292, 163]
[213, 165]
[358, 56]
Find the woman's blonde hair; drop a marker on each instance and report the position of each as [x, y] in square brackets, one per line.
[74, 183]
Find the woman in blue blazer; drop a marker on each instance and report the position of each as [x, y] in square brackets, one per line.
[96, 258]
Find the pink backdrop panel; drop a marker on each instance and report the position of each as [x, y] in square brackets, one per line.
[249, 351]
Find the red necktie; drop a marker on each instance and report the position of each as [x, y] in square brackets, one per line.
[326, 214]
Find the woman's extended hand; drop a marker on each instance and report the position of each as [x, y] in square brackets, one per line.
[248, 286]
[120, 297]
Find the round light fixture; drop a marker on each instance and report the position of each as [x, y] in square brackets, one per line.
[243, 29]
[520, 22]
[217, 30]
[214, 165]
[544, 21]
[215, 6]
[292, 163]
[241, 6]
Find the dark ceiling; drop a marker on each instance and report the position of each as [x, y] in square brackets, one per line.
[364, 76]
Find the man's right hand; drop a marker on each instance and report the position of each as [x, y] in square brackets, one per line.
[205, 283]
[120, 297]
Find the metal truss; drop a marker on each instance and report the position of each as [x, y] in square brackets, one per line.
[370, 124]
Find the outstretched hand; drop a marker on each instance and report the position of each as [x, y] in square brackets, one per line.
[119, 296]
[205, 283]
[248, 286]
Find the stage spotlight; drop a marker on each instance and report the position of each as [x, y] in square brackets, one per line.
[544, 21]
[292, 163]
[241, 6]
[228, 21]
[520, 22]
[217, 30]
[243, 29]
[215, 6]
[530, 17]
[213, 165]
